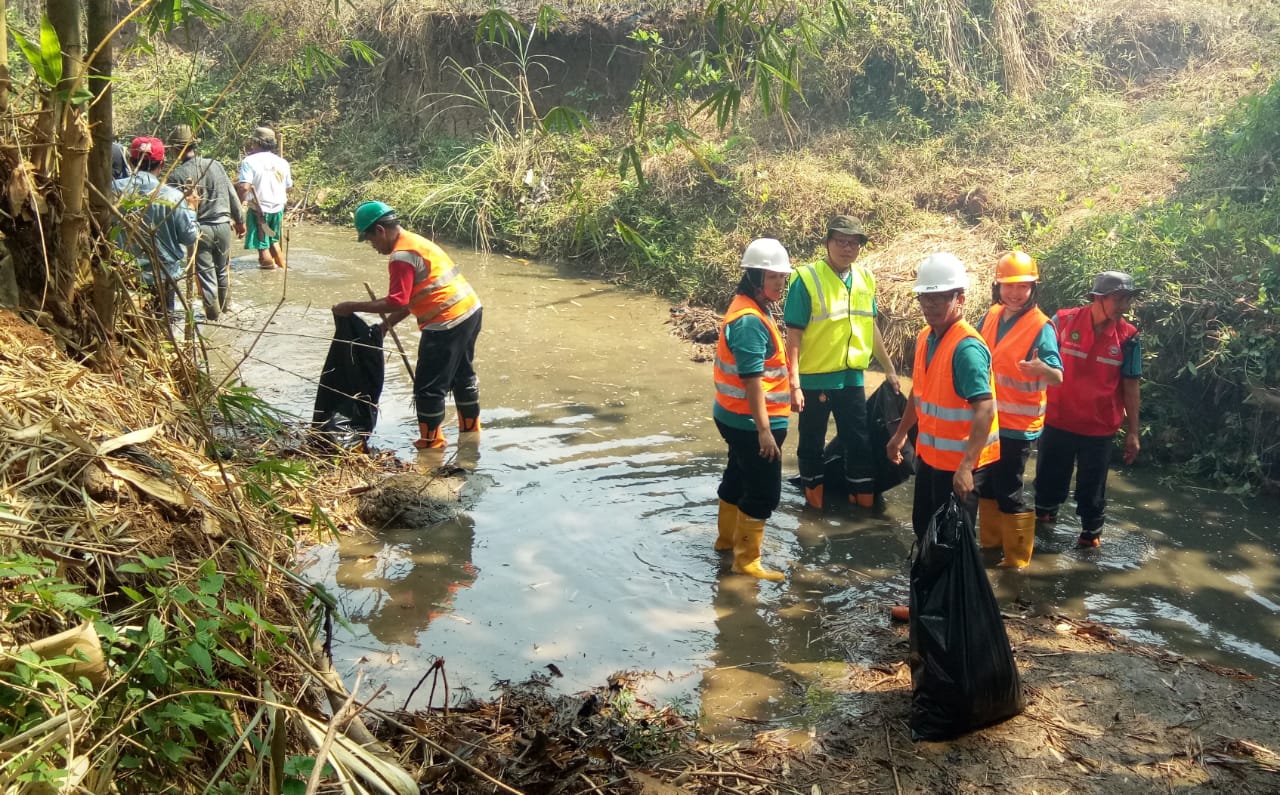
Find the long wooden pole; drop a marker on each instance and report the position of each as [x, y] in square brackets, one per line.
[394, 337]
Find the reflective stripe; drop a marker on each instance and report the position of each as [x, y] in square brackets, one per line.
[1112, 362]
[1020, 385]
[732, 369]
[1075, 353]
[861, 313]
[821, 310]
[951, 415]
[729, 390]
[950, 445]
[1006, 407]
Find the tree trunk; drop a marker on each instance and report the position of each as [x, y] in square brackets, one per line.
[4, 56]
[72, 154]
[100, 20]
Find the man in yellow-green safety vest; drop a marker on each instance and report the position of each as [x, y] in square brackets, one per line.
[831, 336]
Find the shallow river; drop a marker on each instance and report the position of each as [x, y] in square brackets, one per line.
[589, 548]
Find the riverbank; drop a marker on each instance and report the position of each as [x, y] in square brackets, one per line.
[1103, 716]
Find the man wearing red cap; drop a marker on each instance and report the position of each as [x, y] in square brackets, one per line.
[160, 222]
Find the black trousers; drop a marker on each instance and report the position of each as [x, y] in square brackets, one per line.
[446, 363]
[1090, 456]
[750, 482]
[934, 488]
[849, 407]
[1004, 484]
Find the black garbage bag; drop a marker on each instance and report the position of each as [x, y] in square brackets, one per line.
[963, 676]
[884, 415]
[346, 407]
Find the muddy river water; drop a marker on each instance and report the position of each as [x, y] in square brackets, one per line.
[588, 550]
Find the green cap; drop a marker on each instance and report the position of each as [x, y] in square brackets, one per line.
[846, 225]
[369, 214]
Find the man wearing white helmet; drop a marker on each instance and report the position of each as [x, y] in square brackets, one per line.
[952, 397]
[752, 406]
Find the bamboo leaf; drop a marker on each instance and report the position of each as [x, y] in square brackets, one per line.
[50, 73]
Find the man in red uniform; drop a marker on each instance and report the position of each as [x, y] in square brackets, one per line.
[1102, 367]
[426, 283]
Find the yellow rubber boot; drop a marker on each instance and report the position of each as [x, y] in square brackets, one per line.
[746, 550]
[990, 524]
[431, 438]
[468, 424]
[813, 496]
[727, 525]
[1019, 539]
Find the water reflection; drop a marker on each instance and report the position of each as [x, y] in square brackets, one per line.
[397, 583]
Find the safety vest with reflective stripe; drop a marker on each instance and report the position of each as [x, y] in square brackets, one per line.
[943, 417]
[1090, 401]
[841, 319]
[1019, 400]
[441, 297]
[731, 392]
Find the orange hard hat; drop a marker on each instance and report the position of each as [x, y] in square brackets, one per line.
[1017, 266]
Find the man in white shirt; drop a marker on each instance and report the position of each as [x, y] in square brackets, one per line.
[263, 185]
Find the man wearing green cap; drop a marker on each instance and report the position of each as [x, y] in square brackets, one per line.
[831, 336]
[426, 283]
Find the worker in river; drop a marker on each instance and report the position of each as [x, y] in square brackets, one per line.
[952, 400]
[752, 406]
[426, 283]
[1102, 370]
[831, 337]
[1024, 357]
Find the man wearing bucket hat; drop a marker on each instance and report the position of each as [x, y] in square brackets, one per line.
[831, 337]
[263, 185]
[426, 283]
[217, 213]
[752, 406]
[1102, 371]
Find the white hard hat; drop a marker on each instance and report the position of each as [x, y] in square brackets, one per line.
[767, 254]
[941, 273]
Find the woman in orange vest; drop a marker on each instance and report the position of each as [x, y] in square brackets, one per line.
[1025, 360]
[752, 406]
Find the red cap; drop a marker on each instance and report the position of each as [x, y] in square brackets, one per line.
[144, 146]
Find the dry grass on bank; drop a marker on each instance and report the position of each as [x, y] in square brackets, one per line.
[104, 469]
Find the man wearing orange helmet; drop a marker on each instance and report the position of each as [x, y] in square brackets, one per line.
[1025, 361]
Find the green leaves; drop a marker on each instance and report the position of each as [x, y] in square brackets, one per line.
[44, 55]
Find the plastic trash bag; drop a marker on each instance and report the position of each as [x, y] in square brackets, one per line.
[884, 414]
[346, 408]
[963, 676]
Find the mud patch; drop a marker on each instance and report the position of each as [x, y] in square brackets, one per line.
[414, 500]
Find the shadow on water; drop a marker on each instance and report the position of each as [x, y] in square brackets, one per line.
[589, 546]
